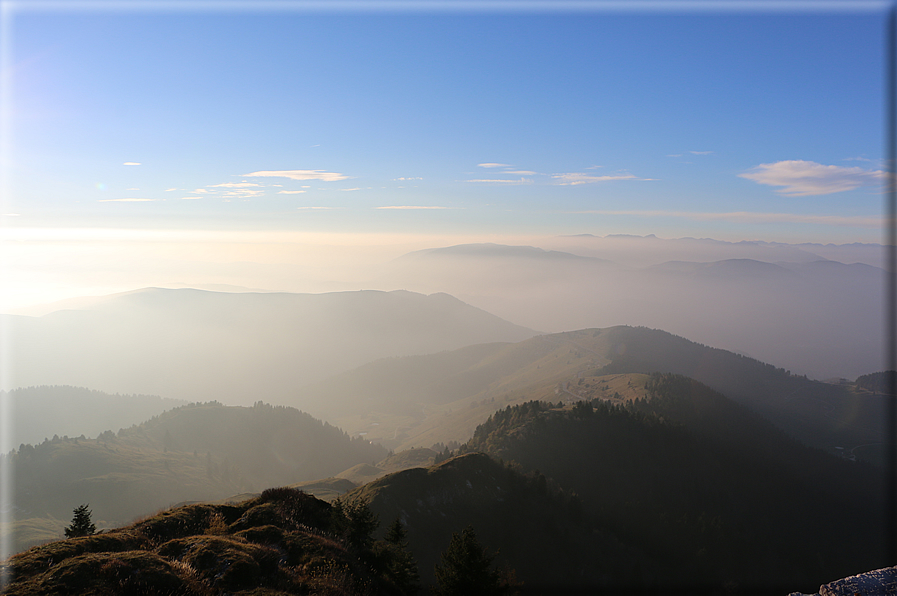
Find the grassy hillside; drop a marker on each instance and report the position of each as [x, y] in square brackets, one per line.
[193, 453]
[418, 401]
[715, 493]
[282, 542]
[438, 398]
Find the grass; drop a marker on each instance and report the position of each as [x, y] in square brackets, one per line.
[276, 543]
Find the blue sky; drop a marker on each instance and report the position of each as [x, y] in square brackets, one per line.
[736, 125]
[606, 112]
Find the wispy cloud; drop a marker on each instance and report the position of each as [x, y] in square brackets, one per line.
[125, 200]
[131, 163]
[234, 185]
[190, 198]
[858, 158]
[349, 189]
[291, 192]
[403, 179]
[594, 167]
[170, 189]
[757, 218]
[201, 191]
[576, 178]
[502, 181]
[314, 208]
[300, 175]
[521, 172]
[674, 155]
[494, 165]
[700, 152]
[411, 207]
[806, 178]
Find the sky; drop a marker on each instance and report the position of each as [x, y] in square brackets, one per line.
[137, 137]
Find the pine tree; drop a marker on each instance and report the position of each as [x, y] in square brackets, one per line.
[81, 523]
[398, 563]
[466, 568]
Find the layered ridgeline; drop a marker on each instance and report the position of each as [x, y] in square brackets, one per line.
[439, 398]
[41, 412]
[192, 453]
[198, 345]
[675, 488]
[814, 310]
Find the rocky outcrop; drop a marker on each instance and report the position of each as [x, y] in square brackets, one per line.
[881, 582]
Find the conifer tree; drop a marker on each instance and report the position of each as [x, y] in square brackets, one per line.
[81, 523]
[466, 568]
[399, 564]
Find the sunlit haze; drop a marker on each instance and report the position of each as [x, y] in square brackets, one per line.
[155, 148]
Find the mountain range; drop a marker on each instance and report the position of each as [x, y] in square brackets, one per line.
[236, 348]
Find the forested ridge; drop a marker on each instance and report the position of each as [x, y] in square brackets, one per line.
[197, 452]
[713, 493]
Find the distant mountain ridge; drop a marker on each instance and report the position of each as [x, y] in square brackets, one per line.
[808, 313]
[237, 348]
[41, 412]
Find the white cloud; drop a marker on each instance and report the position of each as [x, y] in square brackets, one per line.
[594, 167]
[125, 200]
[349, 189]
[397, 179]
[576, 178]
[201, 191]
[243, 192]
[674, 155]
[411, 207]
[234, 185]
[291, 192]
[858, 158]
[190, 198]
[300, 175]
[521, 172]
[806, 178]
[505, 182]
[315, 208]
[700, 152]
[131, 163]
[170, 189]
[493, 165]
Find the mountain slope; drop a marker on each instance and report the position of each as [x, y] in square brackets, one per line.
[237, 348]
[715, 494]
[193, 453]
[538, 530]
[422, 400]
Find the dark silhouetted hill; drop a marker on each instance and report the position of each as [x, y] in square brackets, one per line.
[712, 492]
